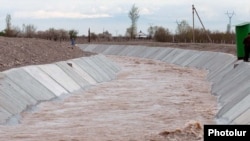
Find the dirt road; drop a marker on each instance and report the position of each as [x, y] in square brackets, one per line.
[149, 100]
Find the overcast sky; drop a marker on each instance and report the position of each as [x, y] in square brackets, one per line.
[112, 15]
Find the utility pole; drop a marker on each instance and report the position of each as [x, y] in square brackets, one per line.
[89, 35]
[230, 15]
[195, 11]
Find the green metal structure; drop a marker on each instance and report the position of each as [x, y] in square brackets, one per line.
[242, 31]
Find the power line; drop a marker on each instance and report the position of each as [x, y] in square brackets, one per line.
[195, 11]
[230, 15]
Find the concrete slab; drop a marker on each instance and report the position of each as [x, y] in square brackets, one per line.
[181, 56]
[45, 80]
[100, 48]
[132, 51]
[150, 53]
[191, 59]
[87, 47]
[230, 78]
[89, 69]
[97, 67]
[204, 58]
[230, 114]
[222, 70]
[243, 118]
[10, 88]
[126, 51]
[237, 92]
[171, 55]
[233, 100]
[11, 104]
[160, 53]
[12, 100]
[25, 81]
[4, 115]
[185, 57]
[82, 72]
[113, 50]
[230, 86]
[68, 69]
[105, 67]
[137, 51]
[60, 77]
[110, 65]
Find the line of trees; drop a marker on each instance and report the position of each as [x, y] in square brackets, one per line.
[30, 31]
[183, 33]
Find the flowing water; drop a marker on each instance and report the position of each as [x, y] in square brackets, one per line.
[149, 101]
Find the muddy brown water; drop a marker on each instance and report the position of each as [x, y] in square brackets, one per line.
[149, 101]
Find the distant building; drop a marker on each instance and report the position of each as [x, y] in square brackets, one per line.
[141, 35]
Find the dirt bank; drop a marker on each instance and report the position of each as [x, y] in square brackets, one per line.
[17, 52]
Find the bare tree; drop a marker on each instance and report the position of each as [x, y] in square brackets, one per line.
[8, 30]
[162, 34]
[29, 31]
[134, 16]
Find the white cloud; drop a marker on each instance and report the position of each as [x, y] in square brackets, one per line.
[158, 12]
[42, 14]
[146, 11]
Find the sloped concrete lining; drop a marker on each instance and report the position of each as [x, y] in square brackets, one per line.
[81, 72]
[233, 101]
[13, 98]
[158, 53]
[10, 88]
[243, 118]
[126, 51]
[68, 69]
[170, 57]
[89, 47]
[46, 80]
[109, 64]
[29, 84]
[237, 110]
[4, 115]
[88, 68]
[111, 50]
[222, 70]
[186, 58]
[96, 67]
[23, 87]
[230, 77]
[221, 59]
[191, 59]
[101, 48]
[204, 58]
[137, 51]
[60, 77]
[233, 91]
[149, 51]
[104, 67]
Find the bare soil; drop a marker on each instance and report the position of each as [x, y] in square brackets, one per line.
[17, 52]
